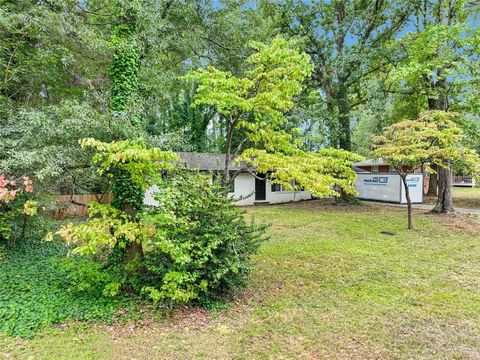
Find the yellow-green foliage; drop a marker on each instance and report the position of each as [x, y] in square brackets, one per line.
[257, 103]
[138, 168]
[194, 246]
[319, 172]
[106, 228]
[275, 75]
[432, 139]
[142, 163]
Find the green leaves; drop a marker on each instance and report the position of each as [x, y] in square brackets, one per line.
[322, 173]
[202, 245]
[125, 64]
[40, 287]
[432, 139]
[274, 77]
[142, 164]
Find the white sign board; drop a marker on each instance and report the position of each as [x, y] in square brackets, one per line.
[389, 187]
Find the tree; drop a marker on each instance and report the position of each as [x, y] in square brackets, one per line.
[253, 106]
[125, 64]
[324, 173]
[432, 139]
[433, 63]
[345, 40]
[131, 168]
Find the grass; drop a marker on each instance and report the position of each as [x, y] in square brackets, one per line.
[463, 197]
[329, 284]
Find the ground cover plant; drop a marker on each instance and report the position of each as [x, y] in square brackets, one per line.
[37, 290]
[333, 282]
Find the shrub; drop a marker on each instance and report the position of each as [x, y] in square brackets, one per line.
[194, 246]
[202, 247]
[16, 208]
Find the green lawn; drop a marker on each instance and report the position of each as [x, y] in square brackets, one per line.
[328, 285]
[463, 197]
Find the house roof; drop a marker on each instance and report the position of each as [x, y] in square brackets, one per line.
[207, 161]
[216, 162]
[370, 162]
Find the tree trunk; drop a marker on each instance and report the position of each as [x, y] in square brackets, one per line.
[343, 117]
[134, 250]
[409, 202]
[444, 200]
[228, 153]
[444, 176]
[433, 183]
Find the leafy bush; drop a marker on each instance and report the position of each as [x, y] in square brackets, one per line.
[202, 247]
[16, 207]
[194, 246]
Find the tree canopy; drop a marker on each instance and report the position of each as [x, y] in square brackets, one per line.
[432, 139]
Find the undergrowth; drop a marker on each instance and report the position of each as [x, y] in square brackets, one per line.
[35, 292]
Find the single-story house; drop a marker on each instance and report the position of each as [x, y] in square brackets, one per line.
[247, 187]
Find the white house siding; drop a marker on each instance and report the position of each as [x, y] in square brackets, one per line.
[245, 193]
[244, 187]
[276, 197]
[148, 199]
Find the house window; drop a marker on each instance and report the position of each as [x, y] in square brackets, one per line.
[231, 184]
[281, 188]
[277, 188]
[375, 169]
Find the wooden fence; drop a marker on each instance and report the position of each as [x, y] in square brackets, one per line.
[75, 205]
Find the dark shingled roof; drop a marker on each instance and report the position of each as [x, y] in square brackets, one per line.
[207, 161]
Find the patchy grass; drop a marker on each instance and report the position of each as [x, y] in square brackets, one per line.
[329, 284]
[463, 197]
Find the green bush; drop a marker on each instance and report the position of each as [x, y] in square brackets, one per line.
[194, 246]
[202, 247]
[17, 207]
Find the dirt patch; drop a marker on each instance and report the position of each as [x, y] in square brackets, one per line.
[457, 221]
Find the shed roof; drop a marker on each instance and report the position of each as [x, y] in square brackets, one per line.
[370, 162]
[208, 161]
[359, 170]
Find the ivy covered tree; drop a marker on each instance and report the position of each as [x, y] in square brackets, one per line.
[124, 68]
[432, 139]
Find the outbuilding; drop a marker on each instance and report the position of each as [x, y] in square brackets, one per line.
[379, 182]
